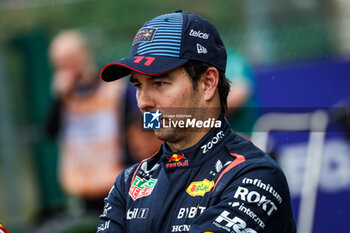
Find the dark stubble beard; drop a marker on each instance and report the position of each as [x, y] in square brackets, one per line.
[171, 135]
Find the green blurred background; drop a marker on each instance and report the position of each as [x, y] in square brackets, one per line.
[266, 32]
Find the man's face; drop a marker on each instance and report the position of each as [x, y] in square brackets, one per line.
[171, 90]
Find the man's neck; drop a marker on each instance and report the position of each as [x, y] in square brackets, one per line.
[189, 141]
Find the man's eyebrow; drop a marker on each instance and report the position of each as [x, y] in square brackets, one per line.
[160, 76]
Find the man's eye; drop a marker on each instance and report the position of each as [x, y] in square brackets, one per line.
[137, 85]
[159, 83]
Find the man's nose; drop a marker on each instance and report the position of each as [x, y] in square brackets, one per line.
[145, 101]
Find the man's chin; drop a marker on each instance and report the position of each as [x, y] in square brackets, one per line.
[160, 134]
[165, 134]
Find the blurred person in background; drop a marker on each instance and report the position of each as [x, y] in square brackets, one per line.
[86, 116]
[242, 101]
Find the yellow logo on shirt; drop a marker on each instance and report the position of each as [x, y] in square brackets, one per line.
[199, 188]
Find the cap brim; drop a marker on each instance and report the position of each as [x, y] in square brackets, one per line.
[147, 65]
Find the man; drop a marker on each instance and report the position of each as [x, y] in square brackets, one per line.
[201, 180]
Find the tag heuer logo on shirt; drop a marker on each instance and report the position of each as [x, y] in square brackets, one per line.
[141, 187]
[199, 188]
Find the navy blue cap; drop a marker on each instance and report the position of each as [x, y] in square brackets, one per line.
[167, 42]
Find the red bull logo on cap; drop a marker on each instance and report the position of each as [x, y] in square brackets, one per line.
[145, 34]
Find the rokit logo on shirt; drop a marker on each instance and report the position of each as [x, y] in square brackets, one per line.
[262, 201]
[141, 187]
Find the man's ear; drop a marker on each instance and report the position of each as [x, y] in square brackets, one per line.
[210, 80]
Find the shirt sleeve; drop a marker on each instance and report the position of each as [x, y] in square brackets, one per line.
[256, 201]
[114, 213]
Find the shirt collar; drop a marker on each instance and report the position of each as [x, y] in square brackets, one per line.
[195, 155]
